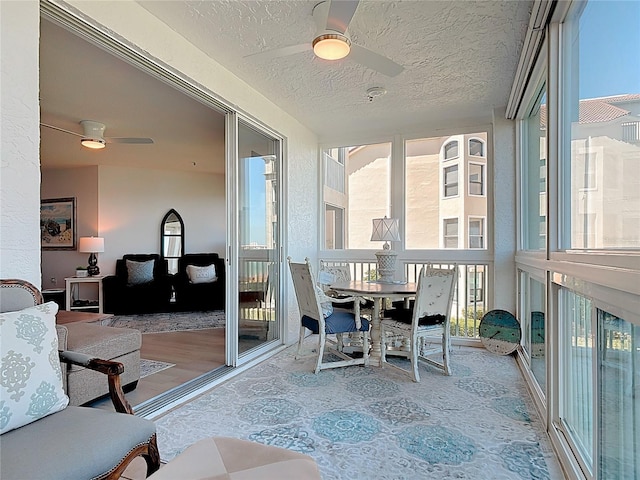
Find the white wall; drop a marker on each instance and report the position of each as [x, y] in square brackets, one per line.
[81, 183]
[133, 202]
[20, 142]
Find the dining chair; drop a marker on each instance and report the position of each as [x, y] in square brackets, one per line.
[318, 315]
[429, 316]
[330, 273]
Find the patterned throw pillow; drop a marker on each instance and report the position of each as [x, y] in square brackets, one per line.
[30, 373]
[139, 272]
[325, 302]
[201, 274]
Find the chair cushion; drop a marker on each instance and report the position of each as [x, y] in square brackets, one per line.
[198, 274]
[338, 322]
[139, 272]
[405, 315]
[30, 372]
[78, 443]
[222, 458]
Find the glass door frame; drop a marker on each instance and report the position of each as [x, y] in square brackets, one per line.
[233, 357]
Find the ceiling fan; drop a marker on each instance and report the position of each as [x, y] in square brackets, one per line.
[93, 135]
[332, 41]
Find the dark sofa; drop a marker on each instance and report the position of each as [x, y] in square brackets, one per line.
[120, 297]
[199, 296]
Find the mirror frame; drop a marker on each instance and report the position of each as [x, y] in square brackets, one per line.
[163, 236]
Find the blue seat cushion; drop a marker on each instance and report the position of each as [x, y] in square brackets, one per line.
[337, 322]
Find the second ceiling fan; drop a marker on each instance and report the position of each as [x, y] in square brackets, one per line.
[332, 41]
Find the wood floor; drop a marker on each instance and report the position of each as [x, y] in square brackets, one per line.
[193, 352]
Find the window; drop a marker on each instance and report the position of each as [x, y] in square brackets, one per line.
[451, 150]
[450, 236]
[578, 351]
[601, 98]
[476, 233]
[334, 221]
[450, 181]
[534, 170]
[356, 189]
[476, 179]
[476, 148]
[425, 204]
[475, 284]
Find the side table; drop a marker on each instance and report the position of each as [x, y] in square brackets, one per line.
[69, 283]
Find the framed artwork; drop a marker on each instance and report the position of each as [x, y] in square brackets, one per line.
[58, 223]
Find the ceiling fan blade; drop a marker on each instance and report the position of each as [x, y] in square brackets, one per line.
[53, 127]
[281, 52]
[130, 140]
[375, 61]
[340, 14]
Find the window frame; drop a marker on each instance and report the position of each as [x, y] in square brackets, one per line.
[445, 236]
[482, 181]
[482, 236]
[444, 195]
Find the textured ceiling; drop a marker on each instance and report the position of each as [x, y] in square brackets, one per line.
[459, 56]
[459, 61]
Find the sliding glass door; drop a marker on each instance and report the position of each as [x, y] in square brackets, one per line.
[257, 242]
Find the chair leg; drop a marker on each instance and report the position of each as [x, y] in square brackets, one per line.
[414, 359]
[365, 348]
[321, 342]
[153, 456]
[446, 347]
[339, 342]
[300, 341]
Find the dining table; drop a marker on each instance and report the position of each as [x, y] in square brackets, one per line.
[378, 292]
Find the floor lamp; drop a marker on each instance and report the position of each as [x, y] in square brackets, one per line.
[386, 230]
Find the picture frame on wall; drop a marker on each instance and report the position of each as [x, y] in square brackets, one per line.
[58, 223]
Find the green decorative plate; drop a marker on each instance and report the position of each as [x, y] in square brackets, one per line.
[500, 332]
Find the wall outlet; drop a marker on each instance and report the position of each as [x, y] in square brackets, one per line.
[54, 280]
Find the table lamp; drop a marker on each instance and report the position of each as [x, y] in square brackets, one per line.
[386, 230]
[92, 245]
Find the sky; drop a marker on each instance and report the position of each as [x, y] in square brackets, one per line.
[610, 48]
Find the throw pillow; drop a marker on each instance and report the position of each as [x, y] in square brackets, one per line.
[325, 302]
[30, 373]
[201, 274]
[139, 272]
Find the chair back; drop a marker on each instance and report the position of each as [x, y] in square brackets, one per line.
[304, 285]
[329, 274]
[17, 295]
[434, 293]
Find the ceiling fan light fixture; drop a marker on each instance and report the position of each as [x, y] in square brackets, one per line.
[331, 46]
[93, 143]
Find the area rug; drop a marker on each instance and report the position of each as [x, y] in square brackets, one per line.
[168, 322]
[367, 422]
[149, 367]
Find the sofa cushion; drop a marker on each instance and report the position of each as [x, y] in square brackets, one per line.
[30, 372]
[198, 274]
[139, 273]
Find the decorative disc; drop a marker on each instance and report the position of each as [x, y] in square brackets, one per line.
[500, 332]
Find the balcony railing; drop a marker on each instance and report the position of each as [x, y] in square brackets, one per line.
[631, 132]
[471, 292]
[333, 173]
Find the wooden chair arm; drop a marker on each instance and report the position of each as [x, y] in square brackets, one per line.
[108, 367]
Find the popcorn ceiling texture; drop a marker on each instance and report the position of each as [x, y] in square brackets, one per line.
[459, 58]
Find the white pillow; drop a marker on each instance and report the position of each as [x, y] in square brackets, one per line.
[201, 274]
[325, 302]
[30, 373]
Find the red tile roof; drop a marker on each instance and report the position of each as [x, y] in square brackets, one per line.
[597, 110]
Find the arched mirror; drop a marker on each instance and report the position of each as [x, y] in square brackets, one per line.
[172, 239]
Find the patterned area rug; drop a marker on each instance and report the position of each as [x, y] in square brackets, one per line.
[169, 322]
[149, 367]
[374, 423]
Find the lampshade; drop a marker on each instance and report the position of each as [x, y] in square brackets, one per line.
[385, 230]
[331, 46]
[91, 245]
